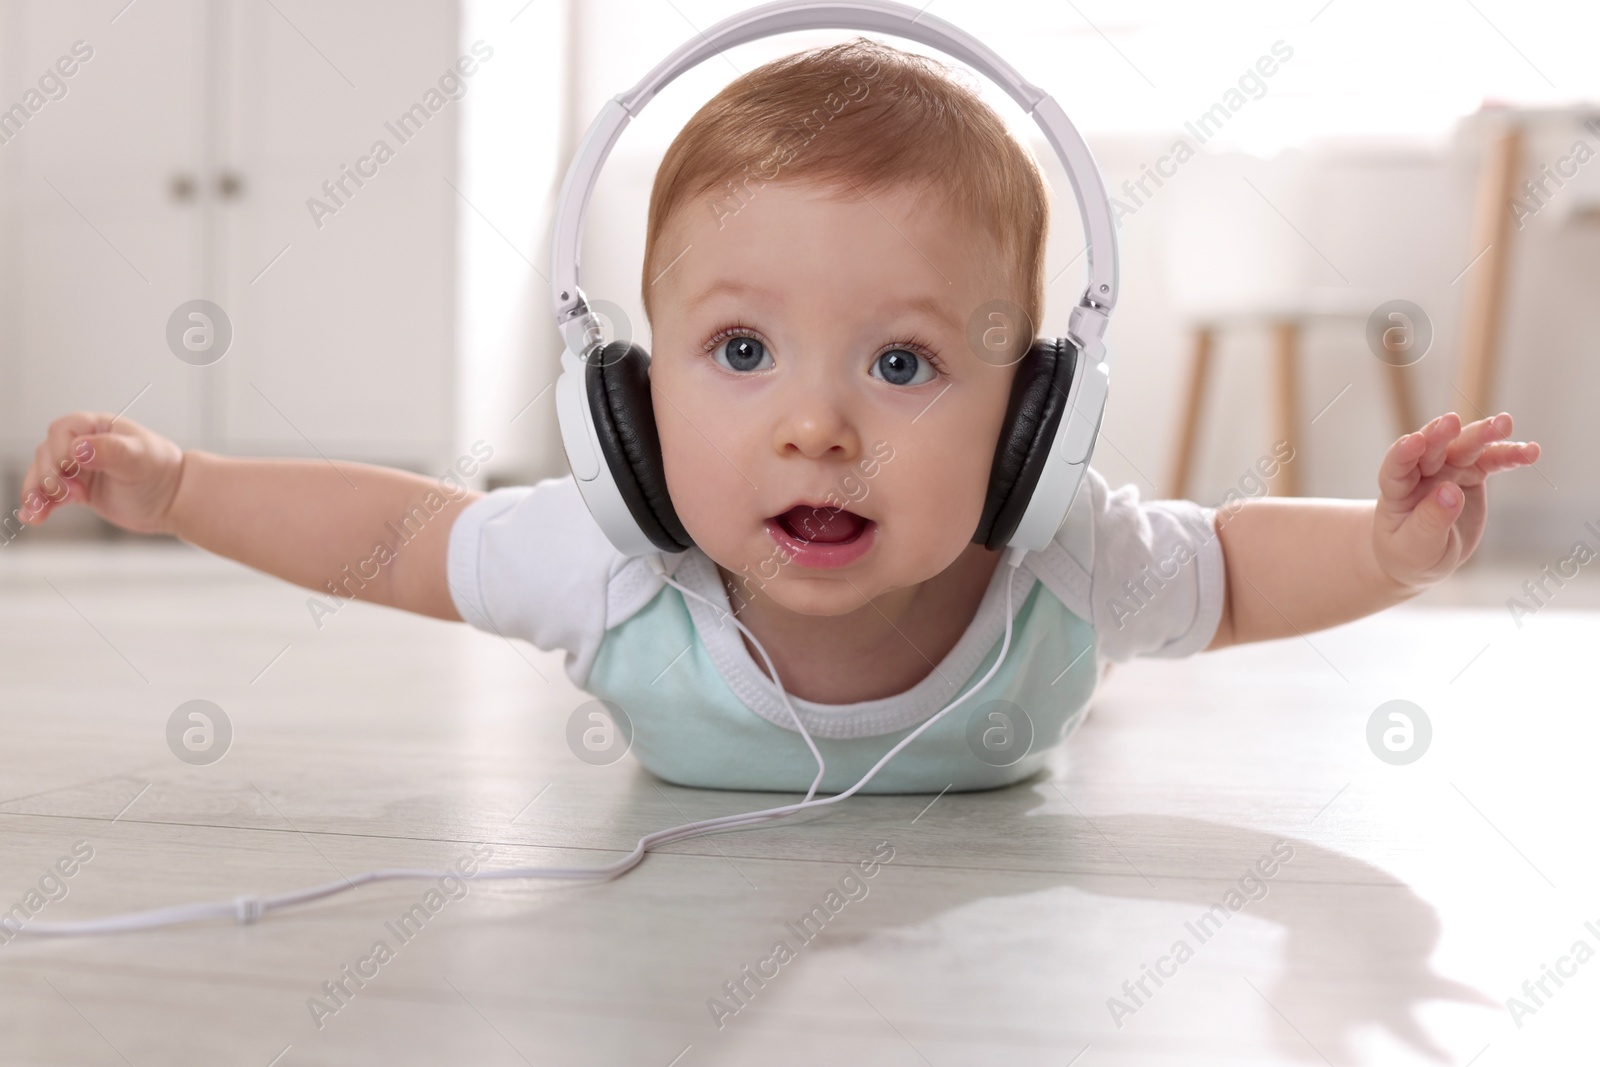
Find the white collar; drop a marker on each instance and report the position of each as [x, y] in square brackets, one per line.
[864, 718]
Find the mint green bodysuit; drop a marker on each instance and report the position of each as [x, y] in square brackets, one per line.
[1121, 578]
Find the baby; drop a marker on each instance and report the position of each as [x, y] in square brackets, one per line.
[822, 235]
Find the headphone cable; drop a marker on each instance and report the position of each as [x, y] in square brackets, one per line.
[250, 908]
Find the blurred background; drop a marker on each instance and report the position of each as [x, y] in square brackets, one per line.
[1335, 216]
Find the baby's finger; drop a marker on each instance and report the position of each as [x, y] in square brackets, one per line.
[63, 430]
[29, 486]
[42, 487]
[53, 477]
[1440, 433]
[1398, 474]
[1475, 437]
[1508, 455]
[59, 457]
[119, 455]
[1423, 536]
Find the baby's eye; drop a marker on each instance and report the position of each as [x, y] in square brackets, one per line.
[741, 354]
[899, 366]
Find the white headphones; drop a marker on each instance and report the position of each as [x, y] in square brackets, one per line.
[1022, 514]
[603, 393]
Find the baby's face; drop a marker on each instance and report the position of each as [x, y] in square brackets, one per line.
[812, 351]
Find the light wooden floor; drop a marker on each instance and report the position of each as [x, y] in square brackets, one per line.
[1417, 900]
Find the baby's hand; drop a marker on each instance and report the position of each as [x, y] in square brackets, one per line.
[1432, 504]
[126, 473]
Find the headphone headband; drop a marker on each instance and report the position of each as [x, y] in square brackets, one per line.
[1088, 320]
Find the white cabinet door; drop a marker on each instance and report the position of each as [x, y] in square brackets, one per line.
[94, 251]
[343, 321]
[342, 326]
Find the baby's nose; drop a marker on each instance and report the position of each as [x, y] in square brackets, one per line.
[815, 427]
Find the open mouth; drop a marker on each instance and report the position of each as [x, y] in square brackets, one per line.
[821, 525]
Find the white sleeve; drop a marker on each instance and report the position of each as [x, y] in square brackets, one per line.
[530, 562]
[1157, 577]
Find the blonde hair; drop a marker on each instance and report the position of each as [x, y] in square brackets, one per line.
[866, 114]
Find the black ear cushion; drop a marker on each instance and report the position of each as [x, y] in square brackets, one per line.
[618, 384]
[1038, 401]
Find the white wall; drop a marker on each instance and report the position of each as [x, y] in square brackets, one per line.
[515, 140]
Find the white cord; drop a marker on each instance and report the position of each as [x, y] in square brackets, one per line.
[249, 909]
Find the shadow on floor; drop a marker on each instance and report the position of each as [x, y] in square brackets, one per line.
[1358, 940]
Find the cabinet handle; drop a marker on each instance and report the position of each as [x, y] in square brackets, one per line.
[230, 186]
[181, 187]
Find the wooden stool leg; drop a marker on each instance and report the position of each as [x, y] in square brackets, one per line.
[1188, 434]
[1486, 284]
[1286, 340]
[1405, 404]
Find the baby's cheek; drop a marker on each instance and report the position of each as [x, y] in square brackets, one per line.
[684, 449]
[932, 518]
[712, 499]
[694, 490]
[952, 478]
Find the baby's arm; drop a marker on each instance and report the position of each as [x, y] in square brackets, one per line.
[302, 520]
[1294, 566]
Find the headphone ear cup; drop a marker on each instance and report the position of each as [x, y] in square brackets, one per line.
[1033, 415]
[617, 380]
